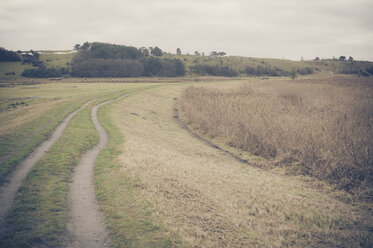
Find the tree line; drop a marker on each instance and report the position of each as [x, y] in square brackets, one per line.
[109, 60]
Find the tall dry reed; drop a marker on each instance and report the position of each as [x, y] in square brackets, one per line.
[322, 128]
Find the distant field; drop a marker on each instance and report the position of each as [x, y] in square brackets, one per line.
[239, 63]
[10, 67]
[318, 127]
[57, 58]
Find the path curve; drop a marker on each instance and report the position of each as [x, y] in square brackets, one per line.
[86, 225]
[9, 189]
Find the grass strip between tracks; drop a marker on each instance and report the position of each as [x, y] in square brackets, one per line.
[39, 214]
[12, 142]
[129, 219]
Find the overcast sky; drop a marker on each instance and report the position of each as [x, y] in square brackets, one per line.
[255, 28]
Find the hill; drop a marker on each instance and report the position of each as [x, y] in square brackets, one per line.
[195, 65]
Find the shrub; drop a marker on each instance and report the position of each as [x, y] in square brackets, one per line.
[43, 72]
[213, 70]
[107, 68]
[6, 55]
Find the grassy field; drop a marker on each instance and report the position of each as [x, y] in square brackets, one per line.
[29, 113]
[57, 58]
[10, 67]
[157, 185]
[316, 127]
[206, 198]
[129, 218]
[39, 215]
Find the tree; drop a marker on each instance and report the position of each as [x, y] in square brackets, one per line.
[197, 53]
[342, 58]
[6, 55]
[156, 51]
[85, 46]
[145, 51]
[350, 59]
[178, 51]
[77, 47]
[214, 53]
[317, 58]
[152, 66]
[35, 54]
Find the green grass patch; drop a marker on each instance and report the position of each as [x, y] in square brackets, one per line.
[7, 69]
[129, 219]
[57, 58]
[40, 213]
[22, 140]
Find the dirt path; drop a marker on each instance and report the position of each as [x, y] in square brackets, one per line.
[9, 190]
[86, 226]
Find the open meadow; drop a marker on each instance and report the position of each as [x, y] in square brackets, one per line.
[160, 181]
[186, 124]
[319, 127]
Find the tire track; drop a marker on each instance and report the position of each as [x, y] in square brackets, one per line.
[9, 189]
[86, 225]
[6, 157]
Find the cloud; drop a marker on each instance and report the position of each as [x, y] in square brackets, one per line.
[261, 28]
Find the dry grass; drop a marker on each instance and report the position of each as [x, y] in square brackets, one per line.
[209, 199]
[317, 127]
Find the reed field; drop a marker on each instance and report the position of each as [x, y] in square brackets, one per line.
[317, 127]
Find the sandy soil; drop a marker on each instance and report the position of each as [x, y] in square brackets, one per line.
[9, 190]
[86, 225]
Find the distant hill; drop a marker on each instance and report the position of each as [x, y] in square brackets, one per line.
[198, 65]
[51, 59]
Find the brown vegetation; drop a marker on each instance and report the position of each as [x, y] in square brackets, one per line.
[201, 197]
[321, 127]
